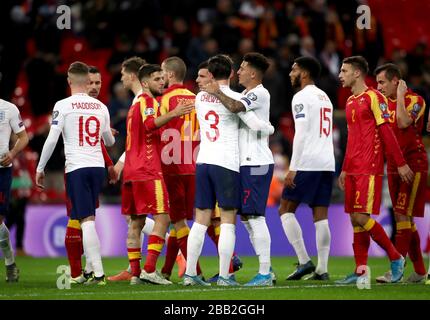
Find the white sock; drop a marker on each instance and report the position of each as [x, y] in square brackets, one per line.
[196, 238]
[251, 234]
[148, 227]
[88, 267]
[262, 241]
[91, 245]
[323, 238]
[294, 235]
[226, 242]
[6, 246]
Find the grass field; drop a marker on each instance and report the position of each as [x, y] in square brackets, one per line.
[38, 281]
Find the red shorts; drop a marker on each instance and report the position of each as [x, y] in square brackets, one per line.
[363, 193]
[181, 190]
[144, 197]
[408, 199]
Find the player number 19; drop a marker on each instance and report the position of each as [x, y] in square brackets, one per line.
[87, 135]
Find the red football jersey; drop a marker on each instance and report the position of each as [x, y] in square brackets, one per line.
[180, 136]
[142, 157]
[364, 152]
[410, 138]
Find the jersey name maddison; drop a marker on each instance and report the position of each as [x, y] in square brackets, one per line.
[219, 137]
[254, 149]
[10, 121]
[313, 118]
[82, 120]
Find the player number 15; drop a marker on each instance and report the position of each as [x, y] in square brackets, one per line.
[325, 121]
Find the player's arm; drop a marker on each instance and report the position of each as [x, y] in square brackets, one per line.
[20, 144]
[231, 104]
[403, 117]
[152, 123]
[107, 134]
[48, 149]
[256, 124]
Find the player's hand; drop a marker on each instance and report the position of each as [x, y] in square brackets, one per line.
[183, 109]
[341, 180]
[406, 174]
[119, 166]
[7, 159]
[401, 88]
[114, 132]
[40, 180]
[211, 87]
[113, 175]
[289, 179]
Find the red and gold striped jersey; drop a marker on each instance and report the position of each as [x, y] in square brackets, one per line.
[410, 138]
[142, 150]
[180, 136]
[364, 113]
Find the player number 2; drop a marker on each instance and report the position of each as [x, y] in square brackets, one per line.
[89, 131]
[325, 119]
[215, 118]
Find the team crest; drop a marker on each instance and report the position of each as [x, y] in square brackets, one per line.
[416, 109]
[383, 107]
[251, 96]
[149, 112]
[2, 116]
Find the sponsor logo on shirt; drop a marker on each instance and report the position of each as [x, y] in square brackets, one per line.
[149, 111]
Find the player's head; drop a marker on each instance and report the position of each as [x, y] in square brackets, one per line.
[129, 71]
[95, 81]
[353, 69]
[151, 78]
[77, 74]
[252, 68]
[174, 70]
[220, 67]
[304, 69]
[203, 75]
[387, 77]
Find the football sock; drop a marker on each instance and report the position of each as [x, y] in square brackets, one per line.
[262, 242]
[415, 253]
[171, 252]
[91, 243]
[195, 242]
[403, 237]
[134, 256]
[248, 228]
[155, 245]
[323, 238]
[74, 247]
[213, 233]
[293, 231]
[148, 227]
[380, 237]
[361, 248]
[227, 240]
[5, 245]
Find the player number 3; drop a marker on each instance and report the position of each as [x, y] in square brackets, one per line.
[91, 126]
[215, 118]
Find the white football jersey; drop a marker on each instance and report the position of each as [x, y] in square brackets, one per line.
[10, 120]
[313, 138]
[254, 149]
[219, 138]
[82, 120]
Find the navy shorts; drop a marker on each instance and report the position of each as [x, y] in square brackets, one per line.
[5, 184]
[215, 183]
[255, 184]
[83, 187]
[312, 187]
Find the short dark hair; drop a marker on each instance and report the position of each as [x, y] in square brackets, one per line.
[133, 64]
[391, 71]
[93, 69]
[78, 68]
[146, 70]
[203, 65]
[177, 66]
[309, 64]
[358, 62]
[257, 61]
[220, 67]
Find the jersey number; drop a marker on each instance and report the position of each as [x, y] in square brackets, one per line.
[91, 137]
[325, 119]
[215, 118]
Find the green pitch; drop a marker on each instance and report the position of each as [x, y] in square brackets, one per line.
[38, 280]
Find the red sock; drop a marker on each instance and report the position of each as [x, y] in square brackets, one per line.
[380, 237]
[403, 237]
[415, 252]
[134, 256]
[155, 245]
[73, 244]
[361, 248]
[182, 242]
[213, 233]
[171, 253]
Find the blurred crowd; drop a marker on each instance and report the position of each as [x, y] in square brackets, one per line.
[34, 54]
